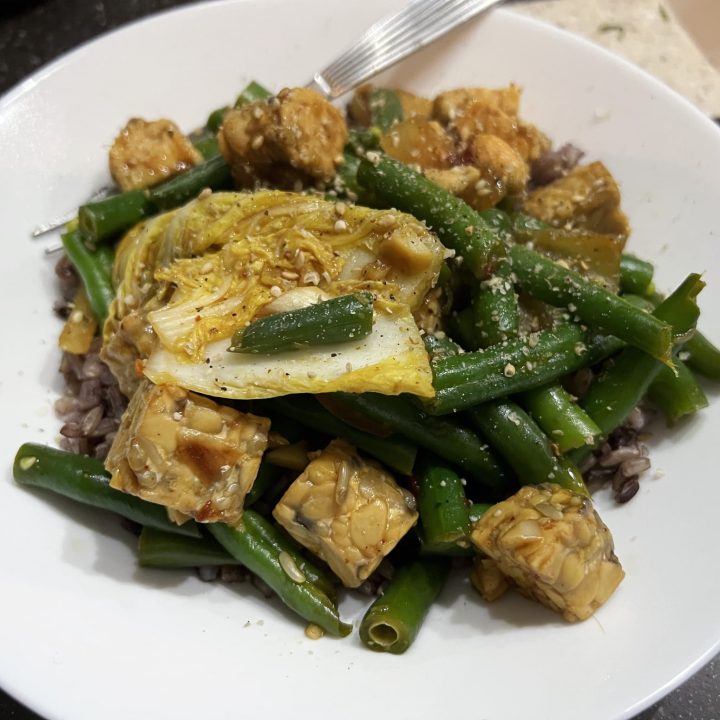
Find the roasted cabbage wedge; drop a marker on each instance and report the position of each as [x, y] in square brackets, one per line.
[187, 280]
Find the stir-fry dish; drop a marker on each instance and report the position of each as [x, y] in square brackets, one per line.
[323, 350]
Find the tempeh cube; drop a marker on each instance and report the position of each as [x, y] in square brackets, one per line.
[184, 451]
[347, 510]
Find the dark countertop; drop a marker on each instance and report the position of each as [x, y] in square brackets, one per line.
[33, 32]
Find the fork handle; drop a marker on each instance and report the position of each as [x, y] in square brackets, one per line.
[393, 38]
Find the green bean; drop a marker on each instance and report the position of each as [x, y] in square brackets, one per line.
[499, 221]
[677, 394]
[385, 108]
[208, 147]
[340, 319]
[496, 313]
[438, 347]
[323, 579]
[448, 283]
[252, 93]
[472, 378]
[267, 476]
[458, 226]
[703, 356]
[524, 446]
[560, 417]
[396, 452]
[477, 510]
[213, 174]
[92, 268]
[635, 275]
[444, 437]
[443, 509]
[524, 225]
[547, 281]
[346, 179]
[619, 389]
[216, 118]
[161, 549]
[461, 548]
[107, 218]
[698, 352]
[262, 558]
[461, 327]
[642, 302]
[113, 215]
[392, 622]
[85, 480]
[360, 140]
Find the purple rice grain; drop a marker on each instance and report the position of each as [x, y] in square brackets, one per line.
[208, 573]
[622, 459]
[233, 574]
[262, 586]
[92, 405]
[554, 164]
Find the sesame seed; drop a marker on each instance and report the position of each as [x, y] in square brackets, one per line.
[314, 632]
[348, 367]
[469, 230]
[340, 226]
[509, 370]
[77, 316]
[340, 208]
[257, 112]
[275, 291]
[374, 158]
[290, 567]
[289, 275]
[204, 193]
[257, 142]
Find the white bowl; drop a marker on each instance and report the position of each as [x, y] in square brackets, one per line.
[85, 634]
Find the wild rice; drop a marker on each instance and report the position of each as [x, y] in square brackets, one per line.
[92, 404]
[622, 459]
[554, 164]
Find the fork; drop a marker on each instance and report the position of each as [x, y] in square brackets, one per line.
[387, 42]
[393, 38]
